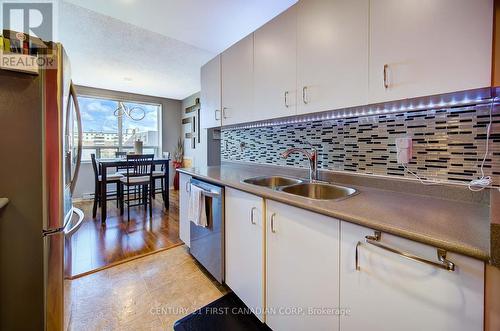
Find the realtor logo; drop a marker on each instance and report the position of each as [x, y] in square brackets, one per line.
[26, 28]
[31, 18]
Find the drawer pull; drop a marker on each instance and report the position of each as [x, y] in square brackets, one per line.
[386, 83]
[273, 230]
[375, 241]
[251, 215]
[286, 100]
[305, 99]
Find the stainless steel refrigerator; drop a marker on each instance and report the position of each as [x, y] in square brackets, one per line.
[40, 153]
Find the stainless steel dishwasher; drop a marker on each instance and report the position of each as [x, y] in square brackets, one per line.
[207, 243]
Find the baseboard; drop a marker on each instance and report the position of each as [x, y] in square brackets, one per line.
[121, 262]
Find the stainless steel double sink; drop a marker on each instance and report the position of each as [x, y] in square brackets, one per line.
[302, 188]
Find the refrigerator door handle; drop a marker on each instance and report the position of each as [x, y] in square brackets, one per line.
[80, 137]
[64, 229]
[51, 232]
[70, 231]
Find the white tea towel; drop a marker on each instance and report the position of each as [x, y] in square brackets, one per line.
[196, 207]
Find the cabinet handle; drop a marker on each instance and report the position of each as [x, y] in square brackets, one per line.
[304, 95]
[375, 241]
[224, 112]
[215, 112]
[272, 223]
[386, 83]
[286, 99]
[188, 187]
[251, 215]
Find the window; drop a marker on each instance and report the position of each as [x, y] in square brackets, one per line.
[107, 130]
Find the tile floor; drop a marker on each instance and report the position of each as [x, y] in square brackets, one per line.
[149, 293]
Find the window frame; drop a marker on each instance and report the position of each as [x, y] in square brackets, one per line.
[158, 149]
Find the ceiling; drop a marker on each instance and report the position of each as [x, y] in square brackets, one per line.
[154, 47]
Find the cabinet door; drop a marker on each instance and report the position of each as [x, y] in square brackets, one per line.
[390, 292]
[237, 82]
[275, 67]
[244, 230]
[429, 47]
[302, 269]
[184, 181]
[210, 96]
[332, 54]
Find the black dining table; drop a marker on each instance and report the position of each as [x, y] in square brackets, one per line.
[104, 164]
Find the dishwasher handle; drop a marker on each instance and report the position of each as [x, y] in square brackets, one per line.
[206, 193]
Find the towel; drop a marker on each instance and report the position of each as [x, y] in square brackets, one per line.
[196, 207]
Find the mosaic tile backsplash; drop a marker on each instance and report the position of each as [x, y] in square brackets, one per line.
[448, 144]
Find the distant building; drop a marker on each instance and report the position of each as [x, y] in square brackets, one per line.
[100, 139]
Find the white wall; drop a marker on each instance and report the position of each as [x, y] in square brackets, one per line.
[171, 131]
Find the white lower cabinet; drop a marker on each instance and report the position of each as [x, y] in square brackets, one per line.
[390, 292]
[311, 281]
[244, 248]
[302, 269]
[184, 181]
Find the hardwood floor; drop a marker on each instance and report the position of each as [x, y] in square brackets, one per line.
[95, 246]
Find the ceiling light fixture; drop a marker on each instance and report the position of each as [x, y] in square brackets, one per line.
[135, 113]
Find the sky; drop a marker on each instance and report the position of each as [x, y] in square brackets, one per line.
[98, 115]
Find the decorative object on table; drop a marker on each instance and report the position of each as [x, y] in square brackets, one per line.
[138, 144]
[192, 131]
[135, 113]
[178, 158]
[166, 155]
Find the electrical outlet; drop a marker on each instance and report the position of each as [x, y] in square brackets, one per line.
[404, 149]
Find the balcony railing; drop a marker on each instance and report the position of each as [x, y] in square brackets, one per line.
[109, 152]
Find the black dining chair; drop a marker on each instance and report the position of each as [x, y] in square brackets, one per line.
[111, 179]
[121, 169]
[161, 175]
[139, 177]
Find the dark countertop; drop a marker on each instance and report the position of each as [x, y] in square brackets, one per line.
[456, 226]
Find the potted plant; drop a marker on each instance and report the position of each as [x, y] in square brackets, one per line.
[178, 161]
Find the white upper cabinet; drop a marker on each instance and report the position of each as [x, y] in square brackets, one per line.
[237, 82]
[329, 54]
[392, 293]
[210, 113]
[275, 67]
[302, 270]
[332, 54]
[426, 47]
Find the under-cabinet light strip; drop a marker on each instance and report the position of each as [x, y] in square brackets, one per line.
[457, 99]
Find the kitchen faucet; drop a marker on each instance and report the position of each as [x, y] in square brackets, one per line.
[312, 157]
